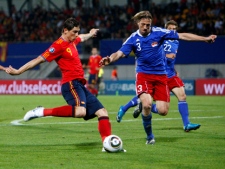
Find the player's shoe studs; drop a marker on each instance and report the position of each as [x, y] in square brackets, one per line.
[103, 149]
[152, 141]
[120, 114]
[191, 126]
[137, 110]
[35, 113]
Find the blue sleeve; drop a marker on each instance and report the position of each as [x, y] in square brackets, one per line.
[127, 46]
[171, 35]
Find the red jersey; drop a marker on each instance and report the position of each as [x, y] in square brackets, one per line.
[66, 56]
[114, 74]
[93, 64]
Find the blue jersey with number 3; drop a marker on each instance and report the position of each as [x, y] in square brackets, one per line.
[171, 46]
[149, 50]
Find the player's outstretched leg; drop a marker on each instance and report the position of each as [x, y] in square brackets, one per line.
[183, 109]
[133, 102]
[35, 113]
[62, 111]
[147, 123]
[120, 114]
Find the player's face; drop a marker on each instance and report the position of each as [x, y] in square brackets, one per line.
[94, 51]
[73, 33]
[144, 26]
[172, 27]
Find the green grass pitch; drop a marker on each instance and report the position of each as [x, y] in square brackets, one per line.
[70, 143]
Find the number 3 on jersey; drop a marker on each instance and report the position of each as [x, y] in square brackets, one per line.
[139, 88]
[138, 46]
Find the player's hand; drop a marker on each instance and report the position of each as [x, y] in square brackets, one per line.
[211, 38]
[12, 71]
[105, 61]
[84, 66]
[94, 32]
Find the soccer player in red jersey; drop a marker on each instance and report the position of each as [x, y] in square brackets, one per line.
[93, 65]
[81, 103]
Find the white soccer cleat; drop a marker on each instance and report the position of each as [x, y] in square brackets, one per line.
[35, 113]
[152, 141]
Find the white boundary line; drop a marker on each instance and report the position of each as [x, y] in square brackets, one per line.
[18, 122]
[176, 111]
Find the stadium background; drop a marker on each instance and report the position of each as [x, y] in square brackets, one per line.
[28, 27]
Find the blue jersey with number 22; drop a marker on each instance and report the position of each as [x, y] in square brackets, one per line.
[171, 46]
[149, 50]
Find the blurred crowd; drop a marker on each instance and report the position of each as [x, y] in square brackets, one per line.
[202, 17]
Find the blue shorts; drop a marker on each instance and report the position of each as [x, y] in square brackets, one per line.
[76, 94]
[92, 79]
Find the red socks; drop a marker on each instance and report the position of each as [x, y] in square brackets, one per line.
[104, 127]
[63, 111]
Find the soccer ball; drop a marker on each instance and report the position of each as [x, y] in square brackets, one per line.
[113, 143]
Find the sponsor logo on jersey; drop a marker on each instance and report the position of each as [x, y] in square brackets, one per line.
[51, 50]
[154, 44]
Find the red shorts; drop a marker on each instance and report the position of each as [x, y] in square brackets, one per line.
[174, 81]
[155, 85]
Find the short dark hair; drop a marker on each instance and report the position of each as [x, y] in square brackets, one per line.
[70, 23]
[171, 22]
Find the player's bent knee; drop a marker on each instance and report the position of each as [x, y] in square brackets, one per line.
[146, 110]
[80, 112]
[163, 112]
[101, 112]
[182, 97]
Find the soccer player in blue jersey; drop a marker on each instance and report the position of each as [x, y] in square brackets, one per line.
[151, 75]
[175, 84]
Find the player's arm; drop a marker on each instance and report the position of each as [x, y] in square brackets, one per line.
[171, 55]
[112, 58]
[29, 65]
[193, 37]
[2, 68]
[92, 33]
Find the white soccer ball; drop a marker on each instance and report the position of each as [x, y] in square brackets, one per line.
[113, 143]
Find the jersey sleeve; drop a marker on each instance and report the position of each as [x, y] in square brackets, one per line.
[171, 34]
[54, 51]
[77, 40]
[127, 46]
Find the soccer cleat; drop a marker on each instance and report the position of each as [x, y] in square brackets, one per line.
[120, 114]
[152, 141]
[191, 126]
[137, 110]
[35, 113]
